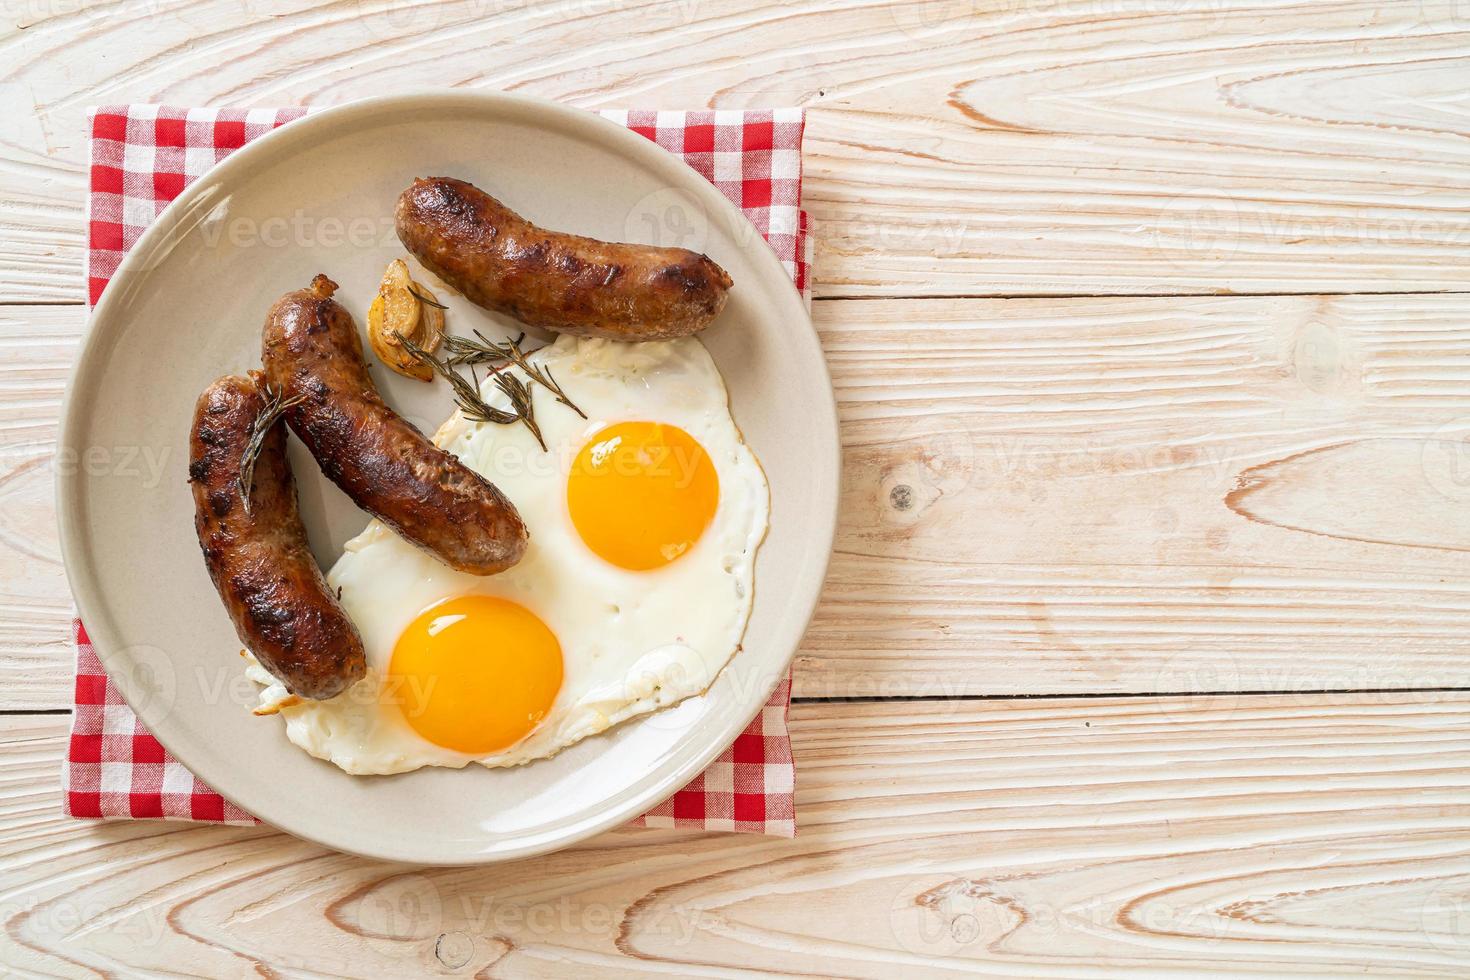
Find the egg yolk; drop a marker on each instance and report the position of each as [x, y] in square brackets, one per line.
[475, 673]
[641, 493]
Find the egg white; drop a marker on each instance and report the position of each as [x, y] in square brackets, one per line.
[632, 642]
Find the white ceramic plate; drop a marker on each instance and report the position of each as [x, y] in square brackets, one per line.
[187, 305]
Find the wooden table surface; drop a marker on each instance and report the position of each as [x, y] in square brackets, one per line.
[1146, 639]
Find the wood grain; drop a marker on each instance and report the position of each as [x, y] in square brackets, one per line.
[1147, 496]
[1085, 838]
[37, 345]
[1126, 495]
[955, 147]
[1042, 496]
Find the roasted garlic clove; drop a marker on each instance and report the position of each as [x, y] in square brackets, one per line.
[404, 308]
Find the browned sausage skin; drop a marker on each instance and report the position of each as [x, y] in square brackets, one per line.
[311, 350]
[567, 283]
[258, 556]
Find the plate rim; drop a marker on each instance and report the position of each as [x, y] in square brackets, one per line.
[83, 579]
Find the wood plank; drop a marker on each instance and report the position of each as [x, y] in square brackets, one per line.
[1132, 496]
[956, 147]
[1087, 838]
[1124, 495]
[38, 346]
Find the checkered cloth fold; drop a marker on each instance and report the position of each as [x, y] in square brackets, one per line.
[142, 157]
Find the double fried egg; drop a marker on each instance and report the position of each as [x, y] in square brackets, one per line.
[634, 591]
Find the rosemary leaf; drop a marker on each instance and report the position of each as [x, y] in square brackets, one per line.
[519, 394]
[467, 393]
[463, 350]
[425, 300]
[275, 407]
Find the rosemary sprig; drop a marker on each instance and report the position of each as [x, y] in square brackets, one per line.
[463, 350]
[519, 394]
[275, 407]
[467, 393]
[425, 300]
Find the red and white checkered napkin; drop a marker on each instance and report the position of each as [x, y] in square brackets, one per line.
[143, 156]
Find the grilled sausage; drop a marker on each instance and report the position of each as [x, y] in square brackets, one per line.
[311, 350]
[257, 554]
[562, 282]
